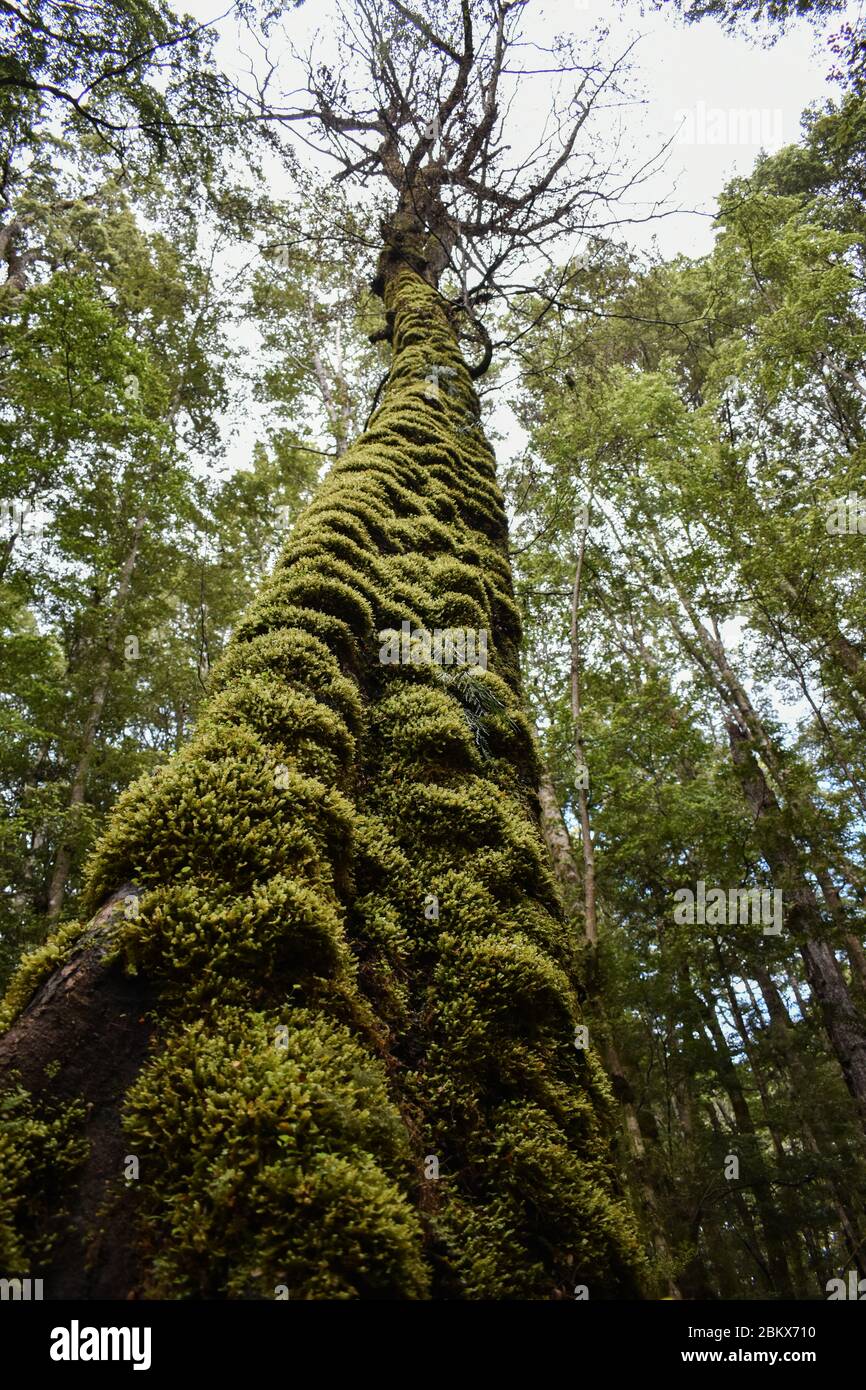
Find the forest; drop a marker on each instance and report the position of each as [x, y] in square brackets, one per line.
[433, 649]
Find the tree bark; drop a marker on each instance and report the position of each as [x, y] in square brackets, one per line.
[83, 1037]
[558, 843]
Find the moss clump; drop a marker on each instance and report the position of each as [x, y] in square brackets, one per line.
[271, 613]
[418, 727]
[295, 1172]
[40, 1146]
[226, 807]
[538, 1209]
[306, 730]
[297, 658]
[216, 945]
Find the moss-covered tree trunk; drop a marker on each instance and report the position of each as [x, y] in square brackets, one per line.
[320, 1040]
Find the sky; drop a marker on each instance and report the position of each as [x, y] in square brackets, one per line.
[707, 99]
[711, 98]
[718, 98]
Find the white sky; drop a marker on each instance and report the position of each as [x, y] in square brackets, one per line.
[717, 97]
[714, 98]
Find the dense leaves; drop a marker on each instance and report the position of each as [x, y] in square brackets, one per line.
[711, 421]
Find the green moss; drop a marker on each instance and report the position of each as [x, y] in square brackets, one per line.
[424, 535]
[452, 577]
[291, 721]
[286, 929]
[220, 808]
[293, 656]
[494, 986]
[335, 552]
[541, 1221]
[419, 729]
[333, 521]
[296, 1172]
[35, 967]
[40, 1147]
[315, 586]
[273, 613]
[381, 865]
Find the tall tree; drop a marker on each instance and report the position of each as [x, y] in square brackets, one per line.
[326, 1004]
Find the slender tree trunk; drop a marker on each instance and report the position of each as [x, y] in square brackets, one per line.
[562, 855]
[844, 1025]
[770, 1216]
[853, 945]
[756, 1067]
[586, 844]
[748, 1230]
[809, 1114]
[559, 845]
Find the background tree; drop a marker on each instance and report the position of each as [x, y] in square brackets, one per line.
[708, 417]
[124, 552]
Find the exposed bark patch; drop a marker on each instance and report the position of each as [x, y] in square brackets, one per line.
[84, 1036]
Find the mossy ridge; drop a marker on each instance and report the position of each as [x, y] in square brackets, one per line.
[386, 476]
[334, 596]
[269, 614]
[219, 944]
[295, 1173]
[223, 806]
[360, 501]
[296, 656]
[424, 535]
[289, 717]
[383, 457]
[334, 546]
